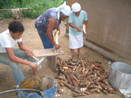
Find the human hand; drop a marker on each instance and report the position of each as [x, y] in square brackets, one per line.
[85, 37]
[78, 29]
[57, 46]
[29, 53]
[85, 33]
[34, 67]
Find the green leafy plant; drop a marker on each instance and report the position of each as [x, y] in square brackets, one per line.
[6, 14]
[37, 6]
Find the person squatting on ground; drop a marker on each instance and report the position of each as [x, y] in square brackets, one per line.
[12, 56]
[47, 22]
[77, 19]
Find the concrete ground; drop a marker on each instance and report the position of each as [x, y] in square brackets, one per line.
[31, 39]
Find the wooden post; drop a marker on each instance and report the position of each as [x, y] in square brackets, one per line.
[16, 12]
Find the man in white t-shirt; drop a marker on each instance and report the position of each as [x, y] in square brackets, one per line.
[12, 56]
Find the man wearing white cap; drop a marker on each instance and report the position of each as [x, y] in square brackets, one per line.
[78, 18]
[49, 21]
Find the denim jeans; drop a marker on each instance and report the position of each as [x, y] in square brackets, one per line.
[15, 67]
[43, 36]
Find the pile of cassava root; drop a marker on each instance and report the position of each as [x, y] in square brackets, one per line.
[84, 77]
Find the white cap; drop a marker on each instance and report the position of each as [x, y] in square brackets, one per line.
[76, 7]
[66, 10]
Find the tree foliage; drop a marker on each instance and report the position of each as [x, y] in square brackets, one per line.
[38, 6]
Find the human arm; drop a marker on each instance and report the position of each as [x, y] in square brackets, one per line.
[29, 53]
[72, 24]
[24, 48]
[85, 23]
[16, 59]
[75, 27]
[51, 25]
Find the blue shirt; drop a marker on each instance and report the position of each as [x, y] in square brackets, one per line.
[78, 21]
[50, 13]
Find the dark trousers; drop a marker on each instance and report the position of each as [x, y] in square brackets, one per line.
[43, 36]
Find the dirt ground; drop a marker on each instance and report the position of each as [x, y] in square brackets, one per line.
[31, 39]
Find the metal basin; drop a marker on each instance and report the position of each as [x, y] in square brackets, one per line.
[120, 76]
